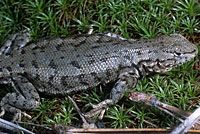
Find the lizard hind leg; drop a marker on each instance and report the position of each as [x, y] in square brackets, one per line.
[15, 42]
[127, 79]
[25, 98]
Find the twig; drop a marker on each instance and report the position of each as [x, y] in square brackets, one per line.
[12, 127]
[151, 100]
[176, 110]
[32, 124]
[85, 123]
[168, 112]
[147, 122]
[77, 109]
[188, 123]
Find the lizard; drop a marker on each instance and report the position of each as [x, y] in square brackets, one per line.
[66, 65]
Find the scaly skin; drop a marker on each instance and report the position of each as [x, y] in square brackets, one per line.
[62, 66]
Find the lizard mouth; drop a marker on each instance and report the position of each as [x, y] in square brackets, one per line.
[172, 63]
[179, 60]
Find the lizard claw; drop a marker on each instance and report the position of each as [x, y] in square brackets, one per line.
[27, 115]
[94, 106]
[97, 109]
[18, 116]
[2, 112]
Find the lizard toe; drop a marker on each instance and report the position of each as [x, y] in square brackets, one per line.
[18, 116]
[27, 115]
[2, 112]
[98, 111]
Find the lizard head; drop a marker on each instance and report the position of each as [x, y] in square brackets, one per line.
[171, 51]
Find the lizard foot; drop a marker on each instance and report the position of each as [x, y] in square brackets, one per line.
[17, 116]
[99, 109]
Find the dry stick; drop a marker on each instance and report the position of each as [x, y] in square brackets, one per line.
[188, 123]
[176, 110]
[165, 107]
[12, 127]
[166, 111]
[151, 100]
[77, 109]
[85, 123]
[147, 122]
[32, 124]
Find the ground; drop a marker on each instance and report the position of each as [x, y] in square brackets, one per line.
[129, 18]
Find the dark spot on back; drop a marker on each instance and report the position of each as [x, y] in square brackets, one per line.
[52, 64]
[88, 55]
[37, 77]
[76, 45]
[21, 65]
[106, 53]
[57, 89]
[23, 51]
[42, 47]
[64, 81]
[51, 78]
[78, 36]
[94, 74]
[50, 84]
[91, 61]
[75, 64]
[99, 40]
[9, 69]
[150, 51]
[34, 63]
[155, 51]
[9, 54]
[36, 47]
[103, 59]
[33, 53]
[115, 43]
[127, 57]
[98, 79]
[84, 83]
[58, 46]
[95, 47]
[82, 42]
[108, 73]
[139, 53]
[81, 76]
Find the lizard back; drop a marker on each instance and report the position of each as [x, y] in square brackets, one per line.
[58, 65]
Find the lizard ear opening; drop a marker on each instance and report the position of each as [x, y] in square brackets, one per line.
[15, 42]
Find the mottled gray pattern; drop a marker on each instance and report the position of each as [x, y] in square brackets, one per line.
[63, 65]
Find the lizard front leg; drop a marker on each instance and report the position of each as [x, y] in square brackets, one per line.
[26, 97]
[127, 79]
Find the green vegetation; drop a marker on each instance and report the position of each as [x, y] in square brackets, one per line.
[129, 18]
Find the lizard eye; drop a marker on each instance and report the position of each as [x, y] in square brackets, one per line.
[177, 54]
